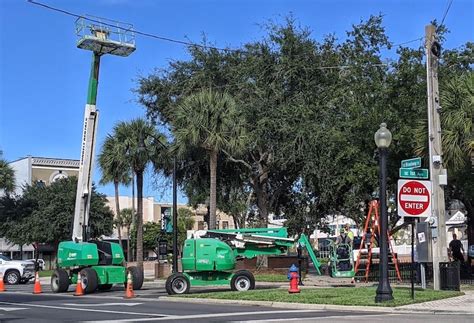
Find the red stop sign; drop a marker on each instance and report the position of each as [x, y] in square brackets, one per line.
[414, 197]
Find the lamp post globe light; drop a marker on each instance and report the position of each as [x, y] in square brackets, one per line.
[383, 138]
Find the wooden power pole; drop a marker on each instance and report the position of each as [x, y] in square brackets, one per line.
[437, 173]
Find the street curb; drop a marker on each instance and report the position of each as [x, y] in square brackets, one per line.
[328, 307]
[277, 304]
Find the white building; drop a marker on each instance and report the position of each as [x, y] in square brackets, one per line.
[28, 171]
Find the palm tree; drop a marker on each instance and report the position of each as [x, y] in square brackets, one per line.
[141, 148]
[209, 120]
[127, 216]
[457, 100]
[7, 175]
[115, 168]
[457, 120]
[457, 124]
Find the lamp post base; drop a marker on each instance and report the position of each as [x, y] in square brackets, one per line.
[383, 294]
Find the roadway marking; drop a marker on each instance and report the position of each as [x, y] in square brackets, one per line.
[103, 304]
[10, 309]
[205, 316]
[89, 310]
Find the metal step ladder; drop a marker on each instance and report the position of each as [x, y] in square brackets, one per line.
[365, 257]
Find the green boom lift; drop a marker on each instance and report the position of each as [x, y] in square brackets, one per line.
[100, 263]
[210, 259]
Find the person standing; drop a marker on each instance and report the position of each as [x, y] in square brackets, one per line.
[343, 238]
[457, 250]
[349, 233]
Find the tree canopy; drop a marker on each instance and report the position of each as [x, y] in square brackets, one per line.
[44, 214]
[7, 175]
[310, 110]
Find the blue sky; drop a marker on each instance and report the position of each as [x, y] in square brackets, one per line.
[43, 76]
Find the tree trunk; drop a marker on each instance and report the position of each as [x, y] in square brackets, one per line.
[134, 218]
[259, 183]
[213, 188]
[140, 220]
[117, 211]
[129, 251]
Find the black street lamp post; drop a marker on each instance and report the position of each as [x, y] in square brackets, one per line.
[383, 137]
[175, 206]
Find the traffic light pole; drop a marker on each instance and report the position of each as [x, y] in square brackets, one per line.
[438, 221]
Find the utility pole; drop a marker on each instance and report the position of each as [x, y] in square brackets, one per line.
[437, 173]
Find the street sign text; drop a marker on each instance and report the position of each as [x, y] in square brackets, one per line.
[411, 163]
[420, 173]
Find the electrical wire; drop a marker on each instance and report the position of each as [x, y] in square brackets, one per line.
[181, 42]
[191, 44]
[446, 12]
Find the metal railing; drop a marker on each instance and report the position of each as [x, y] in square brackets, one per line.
[116, 31]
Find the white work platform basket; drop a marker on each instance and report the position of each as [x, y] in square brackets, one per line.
[104, 36]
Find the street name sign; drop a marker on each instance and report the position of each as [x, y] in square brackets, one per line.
[421, 173]
[414, 198]
[411, 163]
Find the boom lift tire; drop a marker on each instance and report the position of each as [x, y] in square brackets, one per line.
[90, 281]
[60, 281]
[242, 280]
[137, 277]
[177, 284]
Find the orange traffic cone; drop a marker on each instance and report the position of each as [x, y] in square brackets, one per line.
[79, 289]
[37, 288]
[2, 284]
[129, 291]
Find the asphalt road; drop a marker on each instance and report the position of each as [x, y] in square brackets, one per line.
[18, 304]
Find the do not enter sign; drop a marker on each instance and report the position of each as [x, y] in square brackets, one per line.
[414, 198]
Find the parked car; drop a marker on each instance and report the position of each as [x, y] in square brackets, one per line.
[16, 271]
[40, 263]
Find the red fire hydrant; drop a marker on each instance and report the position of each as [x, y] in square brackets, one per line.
[293, 277]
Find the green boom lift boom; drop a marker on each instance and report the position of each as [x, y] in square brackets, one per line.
[211, 258]
[100, 263]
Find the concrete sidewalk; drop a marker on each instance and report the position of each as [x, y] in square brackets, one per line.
[462, 304]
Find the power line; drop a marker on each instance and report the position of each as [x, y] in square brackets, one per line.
[408, 42]
[181, 42]
[446, 12]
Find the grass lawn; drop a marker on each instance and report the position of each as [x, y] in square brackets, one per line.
[271, 278]
[362, 296]
[45, 273]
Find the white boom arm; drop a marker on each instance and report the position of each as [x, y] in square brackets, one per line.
[84, 181]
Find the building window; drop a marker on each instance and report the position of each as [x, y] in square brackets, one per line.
[57, 175]
[225, 225]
